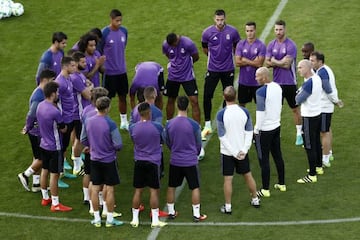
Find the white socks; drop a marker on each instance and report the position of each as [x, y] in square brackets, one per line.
[298, 130]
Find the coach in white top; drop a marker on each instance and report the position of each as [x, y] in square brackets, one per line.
[309, 96]
[267, 130]
[235, 132]
[329, 97]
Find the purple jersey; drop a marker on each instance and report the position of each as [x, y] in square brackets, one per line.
[249, 51]
[103, 137]
[49, 117]
[89, 111]
[66, 98]
[180, 66]
[220, 46]
[31, 123]
[147, 74]
[79, 84]
[147, 138]
[113, 47]
[49, 60]
[90, 64]
[156, 114]
[279, 50]
[183, 136]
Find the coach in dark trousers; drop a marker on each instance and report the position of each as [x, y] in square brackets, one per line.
[267, 130]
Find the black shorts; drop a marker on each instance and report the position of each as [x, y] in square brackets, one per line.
[289, 93]
[212, 79]
[77, 128]
[104, 173]
[52, 160]
[116, 84]
[67, 135]
[177, 175]
[247, 93]
[146, 174]
[87, 167]
[229, 164]
[325, 122]
[172, 88]
[35, 145]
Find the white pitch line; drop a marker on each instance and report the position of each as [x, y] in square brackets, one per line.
[275, 223]
[155, 232]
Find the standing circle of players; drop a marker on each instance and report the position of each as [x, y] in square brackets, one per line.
[56, 107]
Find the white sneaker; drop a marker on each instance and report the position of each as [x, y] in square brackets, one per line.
[124, 126]
[202, 154]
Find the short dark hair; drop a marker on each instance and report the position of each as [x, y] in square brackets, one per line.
[115, 13]
[309, 45]
[280, 22]
[102, 103]
[97, 32]
[171, 38]
[47, 73]
[66, 60]
[219, 12]
[319, 56]
[251, 23]
[144, 109]
[78, 55]
[50, 88]
[58, 37]
[182, 103]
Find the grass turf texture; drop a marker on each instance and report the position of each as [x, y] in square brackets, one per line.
[330, 25]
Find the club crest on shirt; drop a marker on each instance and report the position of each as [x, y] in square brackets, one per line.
[123, 39]
[255, 50]
[283, 50]
[55, 63]
[227, 36]
[182, 50]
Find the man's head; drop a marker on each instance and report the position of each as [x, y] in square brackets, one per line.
[47, 75]
[250, 30]
[219, 19]
[304, 68]
[88, 43]
[150, 93]
[103, 104]
[280, 29]
[116, 18]
[80, 60]
[172, 39]
[182, 103]
[307, 49]
[97, 93]
[68, 64]
[229, 94]
[262, 75]
[51, 91]
[59, 39]
[317, 59]
[144, 110]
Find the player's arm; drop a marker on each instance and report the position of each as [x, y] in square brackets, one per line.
[285, 62]
[243, 61]
[195, 57]
[205, 48]
[99, 67]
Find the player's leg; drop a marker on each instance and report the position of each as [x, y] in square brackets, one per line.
[192, 92]
[278, 159]
[263, 156]
[122, 89]
[171, 91]
[211, 81]
[228, 166]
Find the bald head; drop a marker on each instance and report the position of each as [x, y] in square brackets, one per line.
[230, 94]
[304, 68]
[262, 75]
